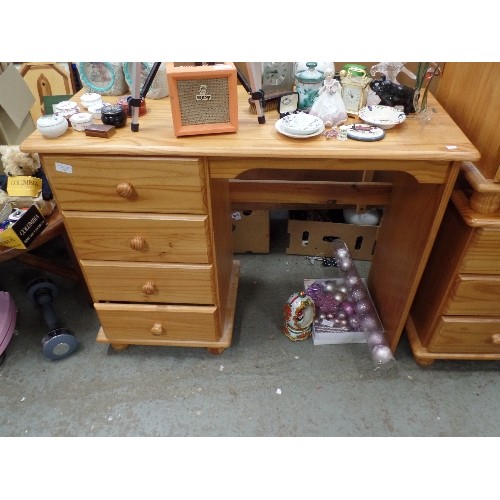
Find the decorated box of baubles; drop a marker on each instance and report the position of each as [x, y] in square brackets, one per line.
[344, 311]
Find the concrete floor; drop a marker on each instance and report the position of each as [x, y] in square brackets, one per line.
[264, 385]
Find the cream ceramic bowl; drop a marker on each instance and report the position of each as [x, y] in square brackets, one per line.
[90, 99]
[384, 117]
[80, 121]
[52, 125]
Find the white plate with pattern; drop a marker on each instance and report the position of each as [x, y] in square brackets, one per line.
[279, 127]
[301, 124]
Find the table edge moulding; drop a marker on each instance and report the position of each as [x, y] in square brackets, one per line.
[422, 159]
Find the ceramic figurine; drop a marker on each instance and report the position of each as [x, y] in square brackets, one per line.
[393, 94]
[298, 314]
[391, 70]
[329, 105]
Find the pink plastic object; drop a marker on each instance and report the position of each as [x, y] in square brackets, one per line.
[7, 320]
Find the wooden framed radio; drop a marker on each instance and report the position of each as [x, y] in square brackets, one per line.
[203, 98]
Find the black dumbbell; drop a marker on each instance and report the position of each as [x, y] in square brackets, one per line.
[59, 342]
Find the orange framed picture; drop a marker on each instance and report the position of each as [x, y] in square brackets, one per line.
[203, 98]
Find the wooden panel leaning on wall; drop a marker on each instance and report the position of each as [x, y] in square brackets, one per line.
[470, 93]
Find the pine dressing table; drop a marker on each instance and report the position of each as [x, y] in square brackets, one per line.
[149, 214]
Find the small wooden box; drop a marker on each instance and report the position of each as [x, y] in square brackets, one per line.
[203, 98]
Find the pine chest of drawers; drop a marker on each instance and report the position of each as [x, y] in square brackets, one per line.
[142, 231]
[456, 312]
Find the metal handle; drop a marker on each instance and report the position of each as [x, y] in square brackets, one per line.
[496, 338]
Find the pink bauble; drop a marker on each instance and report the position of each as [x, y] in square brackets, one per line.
[352, 278]
[363, 306]
[369, 323]
[354, 323]
[357, 293]
[376, 338]
[345, 264]
[381, 354]
[341, 253]
[347, 307]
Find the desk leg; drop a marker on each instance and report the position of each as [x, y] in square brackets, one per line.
[227, 271]
[408, 230]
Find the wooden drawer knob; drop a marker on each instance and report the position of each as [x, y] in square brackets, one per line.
[148, 288]
[125, 189]
[157, 329]
[137, 243]
[496, 338]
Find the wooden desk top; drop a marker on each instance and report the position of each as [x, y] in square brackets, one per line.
[439, 139]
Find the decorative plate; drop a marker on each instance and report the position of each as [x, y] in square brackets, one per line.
[159, 85]
[279, 127]
[105, 78]
[362, 132]
[382, 116]
[301, 124]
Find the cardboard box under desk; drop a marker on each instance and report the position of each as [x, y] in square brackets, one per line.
[250, 231]
[309, 237]
[21, 234]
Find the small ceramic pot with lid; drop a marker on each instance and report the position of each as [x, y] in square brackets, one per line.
[123, 102]
[90, 99]
[308, 85]
[66, 109]
[96, 109]
[113, 115]
[80, 121]
[52, 125]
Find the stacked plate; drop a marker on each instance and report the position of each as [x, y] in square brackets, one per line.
[300, 125]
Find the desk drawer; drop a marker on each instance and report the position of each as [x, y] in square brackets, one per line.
[146, 184]
[466, 335]
[156, 324]
[483, 253]
[148, 282]
[475, 295]
[139, 237]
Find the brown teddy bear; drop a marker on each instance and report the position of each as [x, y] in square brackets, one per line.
[17, 163]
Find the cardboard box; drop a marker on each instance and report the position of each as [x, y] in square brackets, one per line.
[16, 100]
[327, 333]
[25, 230]
[312, 237]
[250, 231]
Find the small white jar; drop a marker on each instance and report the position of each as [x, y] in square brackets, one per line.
[90, 99]
[80, 121]
[95, 109]
[52, 125]
[66, 109]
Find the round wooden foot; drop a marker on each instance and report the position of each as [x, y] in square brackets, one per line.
[424, 361]
[120, 347]
[216, 350]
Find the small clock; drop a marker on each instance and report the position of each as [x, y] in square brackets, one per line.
[354, 91]
[277, 77]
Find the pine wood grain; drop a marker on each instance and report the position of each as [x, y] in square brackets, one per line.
[168, 238]
[411, 141]
[422, 159]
